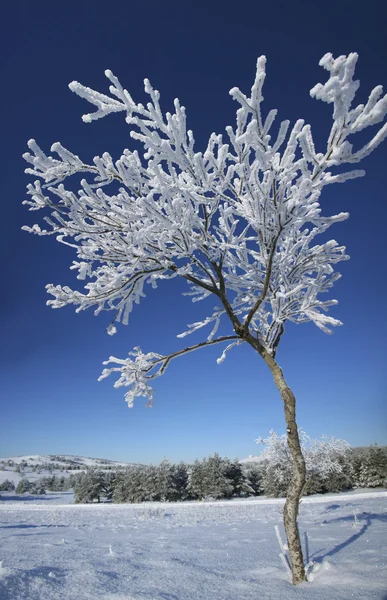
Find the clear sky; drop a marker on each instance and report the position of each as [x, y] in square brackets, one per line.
[50, 399]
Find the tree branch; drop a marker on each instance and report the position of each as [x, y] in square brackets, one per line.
[265, 285]
[166, 359]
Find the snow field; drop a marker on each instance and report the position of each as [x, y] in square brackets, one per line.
[187, 551]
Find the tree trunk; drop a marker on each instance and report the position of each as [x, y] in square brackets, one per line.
[296, 486]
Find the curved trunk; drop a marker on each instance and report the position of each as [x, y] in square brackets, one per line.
[296, 486]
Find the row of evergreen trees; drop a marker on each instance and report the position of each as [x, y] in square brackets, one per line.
[219, 478]
[211, 478]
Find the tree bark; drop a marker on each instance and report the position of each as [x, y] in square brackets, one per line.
[297, 482]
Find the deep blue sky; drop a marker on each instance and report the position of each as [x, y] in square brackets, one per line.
[51, 401]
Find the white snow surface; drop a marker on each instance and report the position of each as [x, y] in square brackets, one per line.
[227, 550]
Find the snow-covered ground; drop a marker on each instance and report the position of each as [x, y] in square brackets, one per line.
[53, 550]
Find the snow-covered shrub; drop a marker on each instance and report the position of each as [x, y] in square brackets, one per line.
[7, 486]
[328, 464]
[23, 486]
[37, 489]
[53, 483]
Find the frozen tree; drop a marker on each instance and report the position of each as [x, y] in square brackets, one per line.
[238, 222]
[372, 471]
[7, 486]
[217, 477]
[327, 462]
[90, 486]
[180, 482]
[238, 479]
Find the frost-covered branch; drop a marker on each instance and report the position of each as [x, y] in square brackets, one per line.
[137, 372]
[238, 221]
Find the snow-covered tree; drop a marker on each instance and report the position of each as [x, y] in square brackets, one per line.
[327, 461]
[7, 486]
[180, 481]
[196, 486]
[238, 479]
[138, 483]
[372, 471]
[218, 483]
[238, 221]
[24, 486]
[90, 486]
[213, 477]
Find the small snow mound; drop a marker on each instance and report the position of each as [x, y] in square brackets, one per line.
[3, 570]
[318, 568]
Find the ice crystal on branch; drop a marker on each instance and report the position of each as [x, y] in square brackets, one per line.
[238, 220]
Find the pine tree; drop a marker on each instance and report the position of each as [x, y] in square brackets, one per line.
[196, 486]
[23, 486]
[254, 474]
[166, 483]
[89, 487]
[237, 477]
[373, 470]
[180, 481]
[7, 486]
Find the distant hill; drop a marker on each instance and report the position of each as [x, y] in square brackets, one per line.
[35, 466]
[250, 460]
[65, 460]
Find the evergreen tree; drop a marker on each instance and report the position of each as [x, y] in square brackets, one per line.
[109, 483]
[196, 486]
[373, 470]
[23, 486]
[136, 484]
[166, 489]
[89, 487]
[180, 481]
[7, 486]
[254, 473]
[218, 485]
[235, 474]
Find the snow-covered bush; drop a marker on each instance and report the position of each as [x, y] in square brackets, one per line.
[328, 464]
[53, 483]
[7, 486]
[23, 486]
[31, 487]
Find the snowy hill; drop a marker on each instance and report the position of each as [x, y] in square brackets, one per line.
[66, 460]
[35, 466]
[251, 460]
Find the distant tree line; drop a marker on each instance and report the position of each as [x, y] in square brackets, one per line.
[216, 478]
[331, 468]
